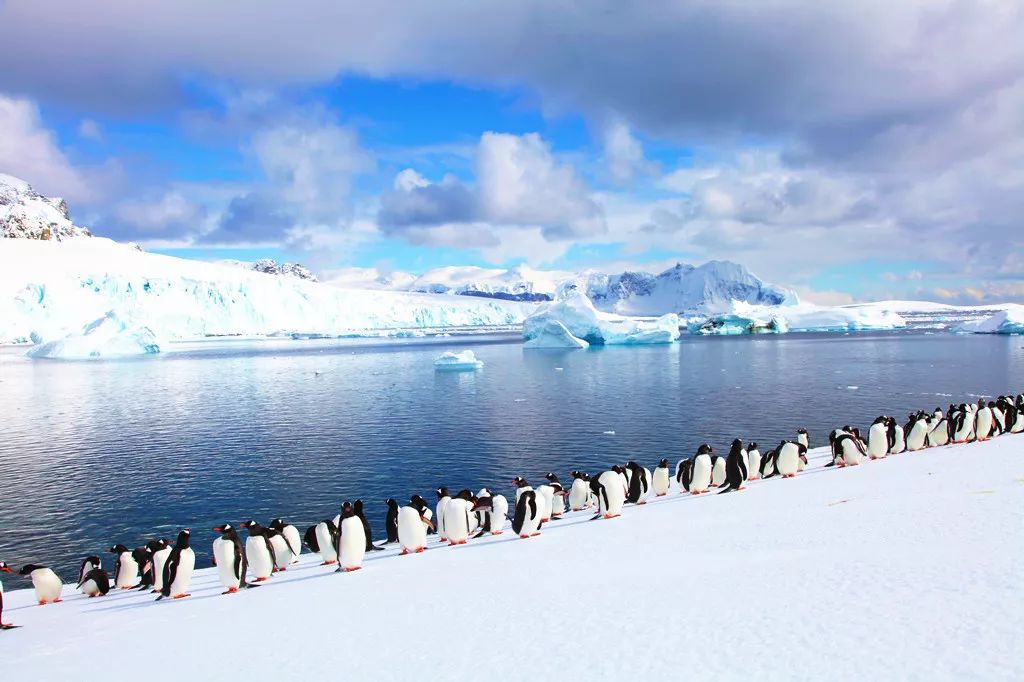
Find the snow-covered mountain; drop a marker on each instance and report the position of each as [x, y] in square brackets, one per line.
[26, 214]
[271, 267]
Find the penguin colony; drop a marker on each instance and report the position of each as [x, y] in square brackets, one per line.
[166, 568]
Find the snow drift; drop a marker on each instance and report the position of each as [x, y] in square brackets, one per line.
[575, 311]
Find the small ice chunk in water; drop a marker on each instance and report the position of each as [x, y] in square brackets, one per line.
[464, 361]
[608, 433]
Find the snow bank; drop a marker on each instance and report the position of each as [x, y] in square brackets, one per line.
[107, 337]
[555, 335]
[450, 361]
[582, 320]
[803, 317]
[1009, 321]
[860, 550]
[50, 290]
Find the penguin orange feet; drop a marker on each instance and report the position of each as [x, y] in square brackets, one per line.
[497, 532]
[461, 542]
[42, 602]
[181, 596]
[611, 516]
[230, 590]
[403, 552]
[329, 563]
[642, 502]
[421, 550]
[349, 569]
[56, 601]
[661, 494]
[452, 543]
[263, 579]
[533, 535]
[522, 536]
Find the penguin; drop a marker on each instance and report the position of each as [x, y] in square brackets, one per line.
[546, 500]
[284, 551]
[702, 470]
[623, 476]
[95, 583]
[494, 511]
[88, 564]
[47, 584]
[178, 568]
[684, 475]
[917, 430]
[543, 501]
[847, 450]
[787, 458]
[998, 418]
[897, 438]
[456, 518]
[557, 497]
[610, 494]
[259, 551]
[1014, 417]
[351, 540]
[579, 492]
[985, 423]
[126, 569]
[938, 433]
[753, 462]
[161, 550]
[325, 535]
[639, 483]
[4, 568]
[413, 523]
[229, 558]
[391, 521]
[661, 481]
[526, 522]
[960, 424]
[735, 468]
[357, 507]
[144, 558]
[767, 467]
[878, 438]
[802, 438]
[291, 536]
[442, 501]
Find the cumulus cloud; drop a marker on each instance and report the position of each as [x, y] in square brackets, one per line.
[623, 153]
[170, 213]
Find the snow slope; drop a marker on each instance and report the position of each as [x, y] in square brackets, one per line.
[49, 289]
[26, 214]
[904, 568]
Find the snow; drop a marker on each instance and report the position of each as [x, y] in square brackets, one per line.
[554, 334]
[579, 316]
[1008, 321]
[802, 317]
[49, 290]
[106, 337]
[26, 214]
[452, 361]
[904, 568]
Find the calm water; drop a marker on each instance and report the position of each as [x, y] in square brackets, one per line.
[96, 453]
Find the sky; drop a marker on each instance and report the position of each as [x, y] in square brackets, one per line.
[852, 151]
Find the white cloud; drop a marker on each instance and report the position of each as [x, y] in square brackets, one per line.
[623, 153]
[88, 129]
[170, 212]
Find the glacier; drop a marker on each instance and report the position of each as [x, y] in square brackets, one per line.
[801, 317]
[575, 311]
[1009, 321]
[106, 337]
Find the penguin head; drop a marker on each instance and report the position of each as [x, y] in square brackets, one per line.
[92, 559]
[483, 504]
[347, 510]
[276, 524]
[442, 492]
[391, 503]
[252, 526]
[577, 474]
[117, 549]
[551, 477]
[705, 449]
[183, 537]
[751, 446]
[663, 464]
[28, 568]
[802, 431]
[418, 502]
[4, 568]
[357, 507]
[222, 528]
[520, 482]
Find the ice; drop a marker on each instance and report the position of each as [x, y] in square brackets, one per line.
[1008, 321]
[575, 311]
[802, 317]
[555, 335]
[458, 362]
[106, 337]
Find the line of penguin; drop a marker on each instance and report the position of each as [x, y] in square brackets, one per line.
[166, 568]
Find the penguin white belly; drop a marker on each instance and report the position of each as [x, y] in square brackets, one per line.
[645, 488]
[90, 588]
[718, 472]
[128, 572]
[499, 513]
[353, 543]
[442, 532]
[456, 521]
[899, 442]
[984, 423]
[1018, 423]
[545, 493]
[701, 480]
[557, 502]
[328, 553]
[258, 556]
[963, 434]
[282, 554]
[47, 585]
[412, 532]
[916, 437]
[579, 495]
[661, 481]
[291, 533]
[183, 576]
[878, 441]
[159, 559]
[852, 454]
[939, 435]
[788, 461]
[998, 419]
[800, 464]
[224, 553]
[753, 464]
[615, 493]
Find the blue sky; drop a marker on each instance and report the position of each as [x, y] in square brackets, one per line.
[849, 152]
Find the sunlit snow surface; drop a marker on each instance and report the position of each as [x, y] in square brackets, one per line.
[1009, 321]
[904, 568]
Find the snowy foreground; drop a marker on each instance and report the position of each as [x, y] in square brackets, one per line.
[904, 568]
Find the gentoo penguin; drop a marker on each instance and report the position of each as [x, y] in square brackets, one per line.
[161, 550]
[126, 569]
[526, 522]
[178, 568]
[88, 564]
[787, 458]
[684, 475]
[291, 536]
[897, 438]
[1014, 417]
[963, 424]
[717, 470]
[753, 462]
[259, 551]
[917, 432]
[492, 509]
[546, 500]
[998, 418]
[442, 501]
[878, 438]
[229, 557]
[984, 423]
[351, 540]
[579, 492]
[702, 468]
[847, 450]
[767, 467]
[802, 438]
[938, 433]
[325, 535]
[735, 468]
[558, 496]
[543, 501]
[357, 507]
[413, 524]
[610, 493]
[456, 518]
[4, 568]
[662, 481]
[639, 483]
[391, 520]
[144, 558]
[284, 551]
[95, 583]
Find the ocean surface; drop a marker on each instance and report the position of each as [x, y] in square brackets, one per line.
[97, 453]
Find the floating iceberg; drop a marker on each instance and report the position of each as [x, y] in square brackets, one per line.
[1009, 321]
[803, 317]
[107, 337]
[554, 334]
[583, 321]
[458, 362]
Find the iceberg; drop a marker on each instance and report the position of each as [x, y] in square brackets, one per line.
[575, 311]
[554, 334]
[1009, 321]
[106, 337]
[802, 317]
[458, 362]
